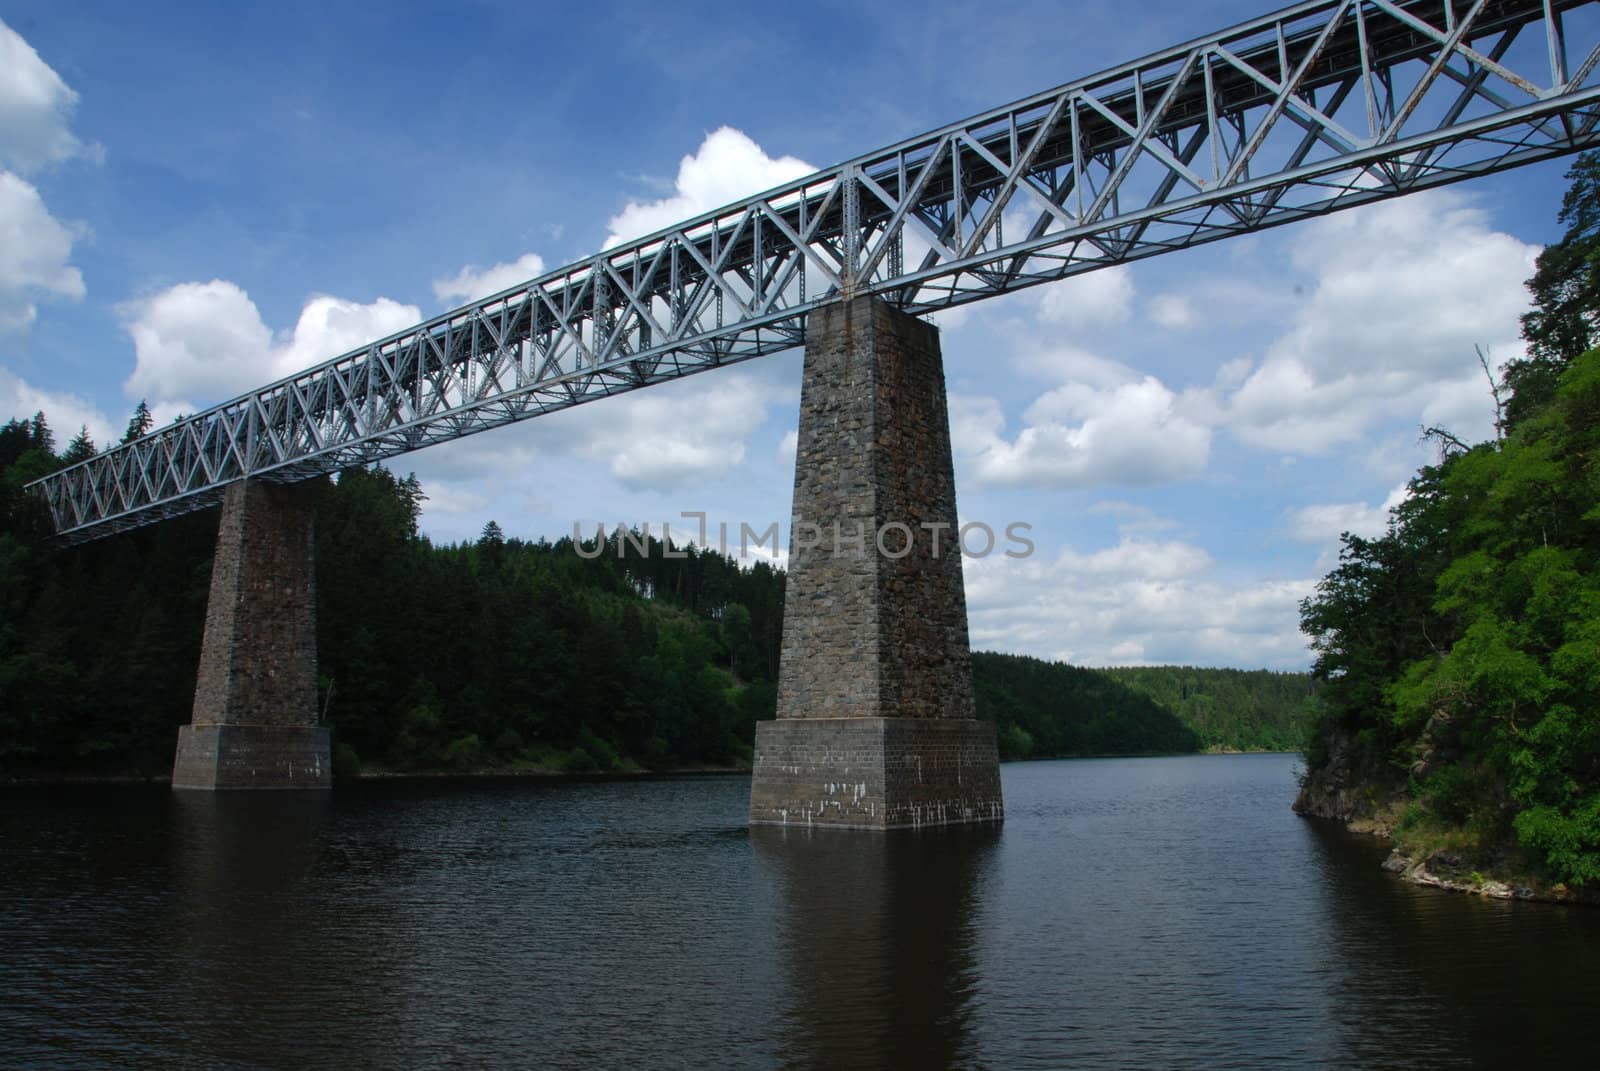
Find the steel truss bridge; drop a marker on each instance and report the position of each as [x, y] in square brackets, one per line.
[1321, 106]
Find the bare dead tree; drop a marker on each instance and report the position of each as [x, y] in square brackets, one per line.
[1449, 445]
[1494, 392]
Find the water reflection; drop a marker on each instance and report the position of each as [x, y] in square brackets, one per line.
[247, 958]
[1135, 913]
[877, 941]
[1403, 955]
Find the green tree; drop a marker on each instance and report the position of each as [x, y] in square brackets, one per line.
[1566, 295]
[81, 448]
[139, 424]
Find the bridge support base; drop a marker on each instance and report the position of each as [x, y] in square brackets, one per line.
[252, 756]
[875, 726]
[255, 703]
[875, 773]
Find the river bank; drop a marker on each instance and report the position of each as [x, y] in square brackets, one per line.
[1371, 802]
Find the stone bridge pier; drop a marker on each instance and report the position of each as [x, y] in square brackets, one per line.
[255, 702]
[875, 725]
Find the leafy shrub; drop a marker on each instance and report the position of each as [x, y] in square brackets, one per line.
[346, 763]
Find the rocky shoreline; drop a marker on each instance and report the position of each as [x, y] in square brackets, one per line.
[1445, 870]
[1364, 801]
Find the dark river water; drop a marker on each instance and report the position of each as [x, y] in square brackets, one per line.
[1167, 912]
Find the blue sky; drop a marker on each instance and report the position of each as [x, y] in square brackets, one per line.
[195, 199]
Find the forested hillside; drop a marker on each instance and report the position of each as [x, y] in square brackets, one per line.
[494, 654]
[1048, 709]
[1461, 650]
[497, 652]
[1231, 709]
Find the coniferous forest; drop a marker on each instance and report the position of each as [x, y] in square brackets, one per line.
[494, 654]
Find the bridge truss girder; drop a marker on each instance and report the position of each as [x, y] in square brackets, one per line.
[1318, 107]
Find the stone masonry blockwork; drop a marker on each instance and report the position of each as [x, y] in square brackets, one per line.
[255, 706]
[876, 724]
[875, 773]
[868, 634]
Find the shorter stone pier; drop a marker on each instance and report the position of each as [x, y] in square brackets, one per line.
[876, 725]
[255, 703]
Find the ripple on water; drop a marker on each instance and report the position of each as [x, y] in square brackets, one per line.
[1130, 913]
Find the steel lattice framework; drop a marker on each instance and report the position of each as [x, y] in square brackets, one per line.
[1321, 106]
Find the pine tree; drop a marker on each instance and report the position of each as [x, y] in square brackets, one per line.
[81, 448]
[39, 430]
[139, 424]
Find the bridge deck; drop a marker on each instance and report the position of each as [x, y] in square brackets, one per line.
[1317, 107]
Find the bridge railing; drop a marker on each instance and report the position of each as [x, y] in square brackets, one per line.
[1314, 108]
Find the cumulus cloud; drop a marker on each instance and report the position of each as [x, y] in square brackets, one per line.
[669, 437]
[35, 247]
[35, 108]
[331, 326]
[1082, 434]
[1403, 291]
[655, 441]
[1102, 298]
[728, 166]
[206, 342]
[1324, 523]
[1133, 518]
[34, 251]
[1172, 311]
[472, 282]
[1070, 364]
[1137, 601]
[66, 412]
[446, 497]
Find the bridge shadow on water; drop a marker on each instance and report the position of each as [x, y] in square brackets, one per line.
[877, 943]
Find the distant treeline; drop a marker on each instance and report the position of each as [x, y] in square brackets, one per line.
[1231, 709]
[1049, 709]
[496, 653]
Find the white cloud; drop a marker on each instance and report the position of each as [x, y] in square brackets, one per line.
[329, 327]
[728, 166]
[1137, 601]
[1069, 364]
[445, 497]
[198, 340]
[34, 250]
[473, 282]
[1082, 434]
[1102, 298]
[682, 434]
[207, 342]
[65, 411]
[1133, 518]
[1403, 292]
[35, 108]
[1172, 311]
[1325, 523]
[651, 441]
[789, 445]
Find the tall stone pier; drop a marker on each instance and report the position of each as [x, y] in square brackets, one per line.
[875, 726]
[255, 702]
